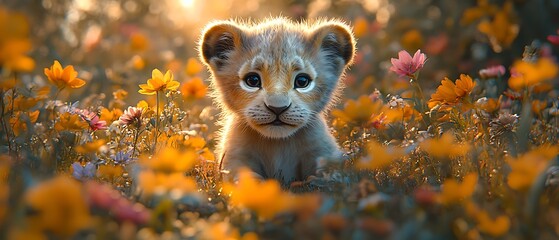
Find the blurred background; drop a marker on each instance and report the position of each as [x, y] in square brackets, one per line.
[115, 44]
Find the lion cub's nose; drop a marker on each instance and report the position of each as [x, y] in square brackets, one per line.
[278, 110]
[277, 103]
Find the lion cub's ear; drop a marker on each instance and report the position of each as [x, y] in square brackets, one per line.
[218, 41]
[335, 41]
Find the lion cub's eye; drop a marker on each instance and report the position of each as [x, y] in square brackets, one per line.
[302, 80]
[253, 80]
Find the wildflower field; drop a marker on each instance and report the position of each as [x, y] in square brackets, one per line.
[449, 122]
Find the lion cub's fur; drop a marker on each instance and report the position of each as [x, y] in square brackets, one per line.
[277, 50]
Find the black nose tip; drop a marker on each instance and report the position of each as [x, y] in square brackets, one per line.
[278, 110]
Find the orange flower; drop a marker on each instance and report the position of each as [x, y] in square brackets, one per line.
[171, 160]
[359, 111]
[360, 27]
[159, 82]
[193, 67]
[527, 74]
[528, 166]
[412, 40]
[475, 13]
[489, 105]
[464, 86]
[269, 201]
[110, 116]
[62, 78]
[194, 89]
[445, 94]
[485, 223]
[120, 94]
[502, 30]
[12, 55]
[90, 147]
[110, 172]
[538, 106]
[70, 122]
[139, 42]
[449, 94]
[380, 156]
[454, 192]
[160, 183]
[445, 147]
[19, 121]
[195, 142]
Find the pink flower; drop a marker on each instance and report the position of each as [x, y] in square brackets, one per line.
[405, 65]
[554, 39]
[492, 72]
[104, 197]
[132, 115]
[93, 120]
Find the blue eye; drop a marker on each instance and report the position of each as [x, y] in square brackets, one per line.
[302, 80]
[253, 80]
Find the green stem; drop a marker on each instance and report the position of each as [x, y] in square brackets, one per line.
[54, 107]
[2, 120]
[156, 120]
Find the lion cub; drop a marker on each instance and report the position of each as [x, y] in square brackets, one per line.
[274, 81]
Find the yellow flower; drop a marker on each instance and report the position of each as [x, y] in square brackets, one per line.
[59, 207]
[455, 192]
[110, 116]
[528, 166]
[194, 88]
[91, 147]
[110, 172]
[269, 201]
[70, 122]
[159, 82]
[527, 74]
[359, 111]
[62, 78]
[160, 183]
[193, 67]
[380, 156]
[171, 160]
[445, 147]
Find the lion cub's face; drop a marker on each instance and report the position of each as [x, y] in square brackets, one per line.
[276, 76]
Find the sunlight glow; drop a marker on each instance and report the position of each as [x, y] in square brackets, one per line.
[187, 3]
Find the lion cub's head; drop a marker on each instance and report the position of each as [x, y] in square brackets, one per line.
[277, 76]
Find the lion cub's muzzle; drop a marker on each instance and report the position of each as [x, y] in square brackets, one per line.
[278, 111]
